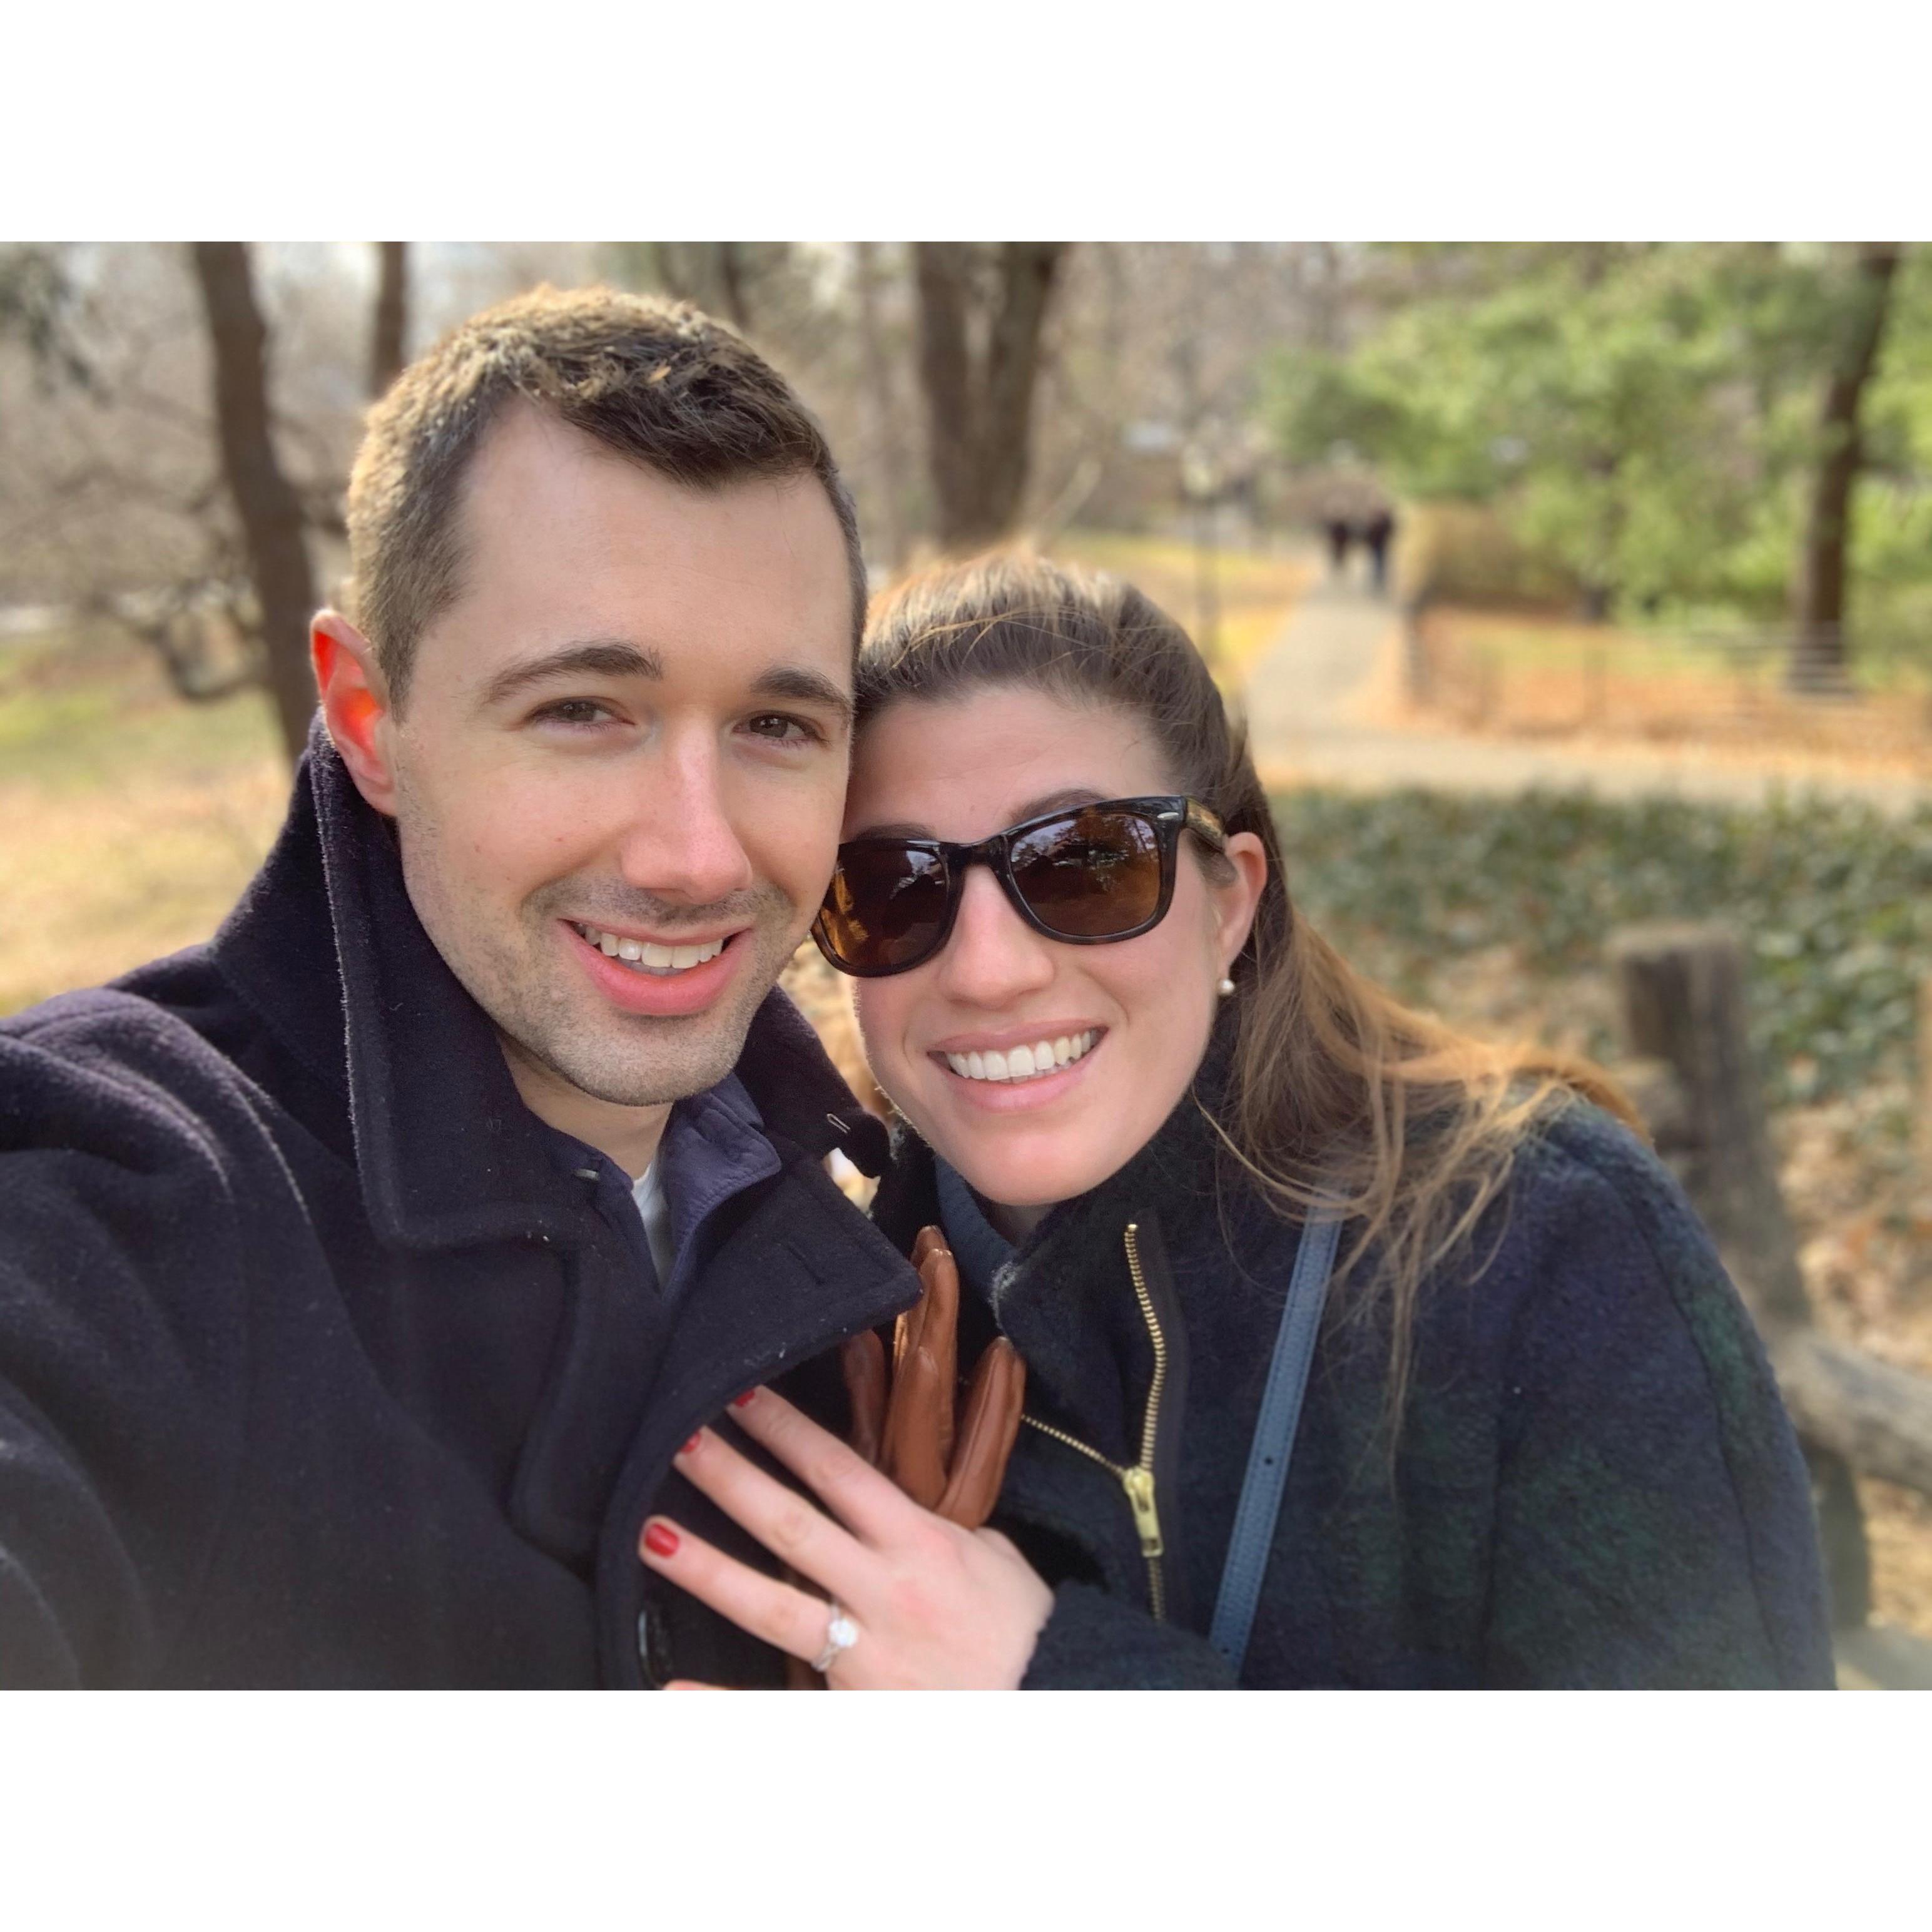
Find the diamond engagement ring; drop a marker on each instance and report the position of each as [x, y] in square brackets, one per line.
[841, 1634]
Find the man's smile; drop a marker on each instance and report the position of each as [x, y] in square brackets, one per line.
[649, 956]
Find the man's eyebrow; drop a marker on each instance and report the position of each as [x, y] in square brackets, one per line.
[803, 686]
[596, 657]
[1038, 808]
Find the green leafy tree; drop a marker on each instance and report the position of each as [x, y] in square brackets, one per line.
[1662, 421]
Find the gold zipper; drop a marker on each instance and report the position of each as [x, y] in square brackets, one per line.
[1138, 1479]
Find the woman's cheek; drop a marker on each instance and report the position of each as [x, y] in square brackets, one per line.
[883, 1013]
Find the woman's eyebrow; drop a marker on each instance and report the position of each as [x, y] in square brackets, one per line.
[1056, 801]
[1053, 801]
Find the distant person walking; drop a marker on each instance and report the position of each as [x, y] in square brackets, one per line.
[1375, 533]
[1341, 535]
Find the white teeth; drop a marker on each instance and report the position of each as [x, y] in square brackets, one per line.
[1024, 1062]
[651, 959]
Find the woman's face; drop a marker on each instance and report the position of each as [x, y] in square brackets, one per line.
[962, 770]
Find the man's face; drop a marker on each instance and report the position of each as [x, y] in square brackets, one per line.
[621, 762]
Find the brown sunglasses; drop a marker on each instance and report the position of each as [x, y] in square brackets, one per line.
[1086, 876]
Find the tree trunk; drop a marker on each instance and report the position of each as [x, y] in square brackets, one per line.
[390, 324]
[731, 279]
[1818, 589]
[667, 270]
[876, 401]
[979, 407]
[270, 511]
[944, 270]
[1027, 272]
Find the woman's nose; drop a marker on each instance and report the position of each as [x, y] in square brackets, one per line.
[993, 955]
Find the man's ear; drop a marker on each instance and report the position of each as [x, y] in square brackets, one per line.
[355, 705]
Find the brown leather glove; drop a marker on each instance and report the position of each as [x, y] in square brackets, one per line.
[953, 1468]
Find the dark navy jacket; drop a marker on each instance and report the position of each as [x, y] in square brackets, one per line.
[1595, 1484]
[310, 1346]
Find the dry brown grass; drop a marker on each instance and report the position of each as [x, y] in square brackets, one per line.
[131, 819]
[1512, 674]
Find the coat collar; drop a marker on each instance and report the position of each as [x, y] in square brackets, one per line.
[1065, 1297]
[326, 947]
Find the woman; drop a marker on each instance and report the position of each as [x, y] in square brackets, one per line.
[1537, 1442]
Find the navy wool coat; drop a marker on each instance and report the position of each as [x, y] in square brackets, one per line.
[307, 1339]
[1595, 1483]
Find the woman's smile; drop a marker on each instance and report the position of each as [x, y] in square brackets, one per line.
[1036, 1053]
[1024, 1078]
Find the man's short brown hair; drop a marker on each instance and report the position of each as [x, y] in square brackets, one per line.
[656, 381]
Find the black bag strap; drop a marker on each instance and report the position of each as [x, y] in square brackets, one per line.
[1259, 1508]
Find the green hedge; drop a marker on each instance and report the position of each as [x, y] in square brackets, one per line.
[1834, 898]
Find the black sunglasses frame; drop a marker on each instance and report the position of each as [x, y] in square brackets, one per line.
[1169, 816]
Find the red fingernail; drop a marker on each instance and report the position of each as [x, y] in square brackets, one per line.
[742, 1401]
[691, 1442]
[660, 1540]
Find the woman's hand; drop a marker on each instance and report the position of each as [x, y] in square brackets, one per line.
[937, 1607]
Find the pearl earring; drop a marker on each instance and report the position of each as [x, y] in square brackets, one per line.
[1226, 987]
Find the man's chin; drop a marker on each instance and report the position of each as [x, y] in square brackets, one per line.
[673, 1061]
[641, 1062]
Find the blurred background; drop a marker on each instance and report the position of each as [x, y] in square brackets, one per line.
[1579, 597]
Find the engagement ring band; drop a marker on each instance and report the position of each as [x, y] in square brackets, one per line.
[841, 1634]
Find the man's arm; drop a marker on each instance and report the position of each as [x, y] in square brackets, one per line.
[122, 1367]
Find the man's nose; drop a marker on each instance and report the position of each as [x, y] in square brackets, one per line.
[993, 956]
[683, 842]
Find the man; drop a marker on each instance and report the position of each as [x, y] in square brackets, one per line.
[361, 1270]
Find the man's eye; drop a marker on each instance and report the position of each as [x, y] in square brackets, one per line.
[570, 711]
[782, 728]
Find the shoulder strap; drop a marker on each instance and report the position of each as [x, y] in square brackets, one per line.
[1260, 1506]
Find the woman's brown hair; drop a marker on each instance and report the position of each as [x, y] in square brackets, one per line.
[1336, 1091]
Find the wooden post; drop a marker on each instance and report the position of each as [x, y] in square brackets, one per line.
[1683, 994]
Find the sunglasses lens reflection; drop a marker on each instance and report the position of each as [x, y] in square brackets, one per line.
[1091, 874]
[886, 908]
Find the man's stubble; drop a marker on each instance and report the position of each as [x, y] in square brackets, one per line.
[548, 1014]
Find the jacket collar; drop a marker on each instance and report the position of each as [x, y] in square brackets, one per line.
[326, 947]
[1064, 1296]
[1181, 1172]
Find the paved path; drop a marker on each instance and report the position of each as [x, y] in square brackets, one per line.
[1306, 689]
